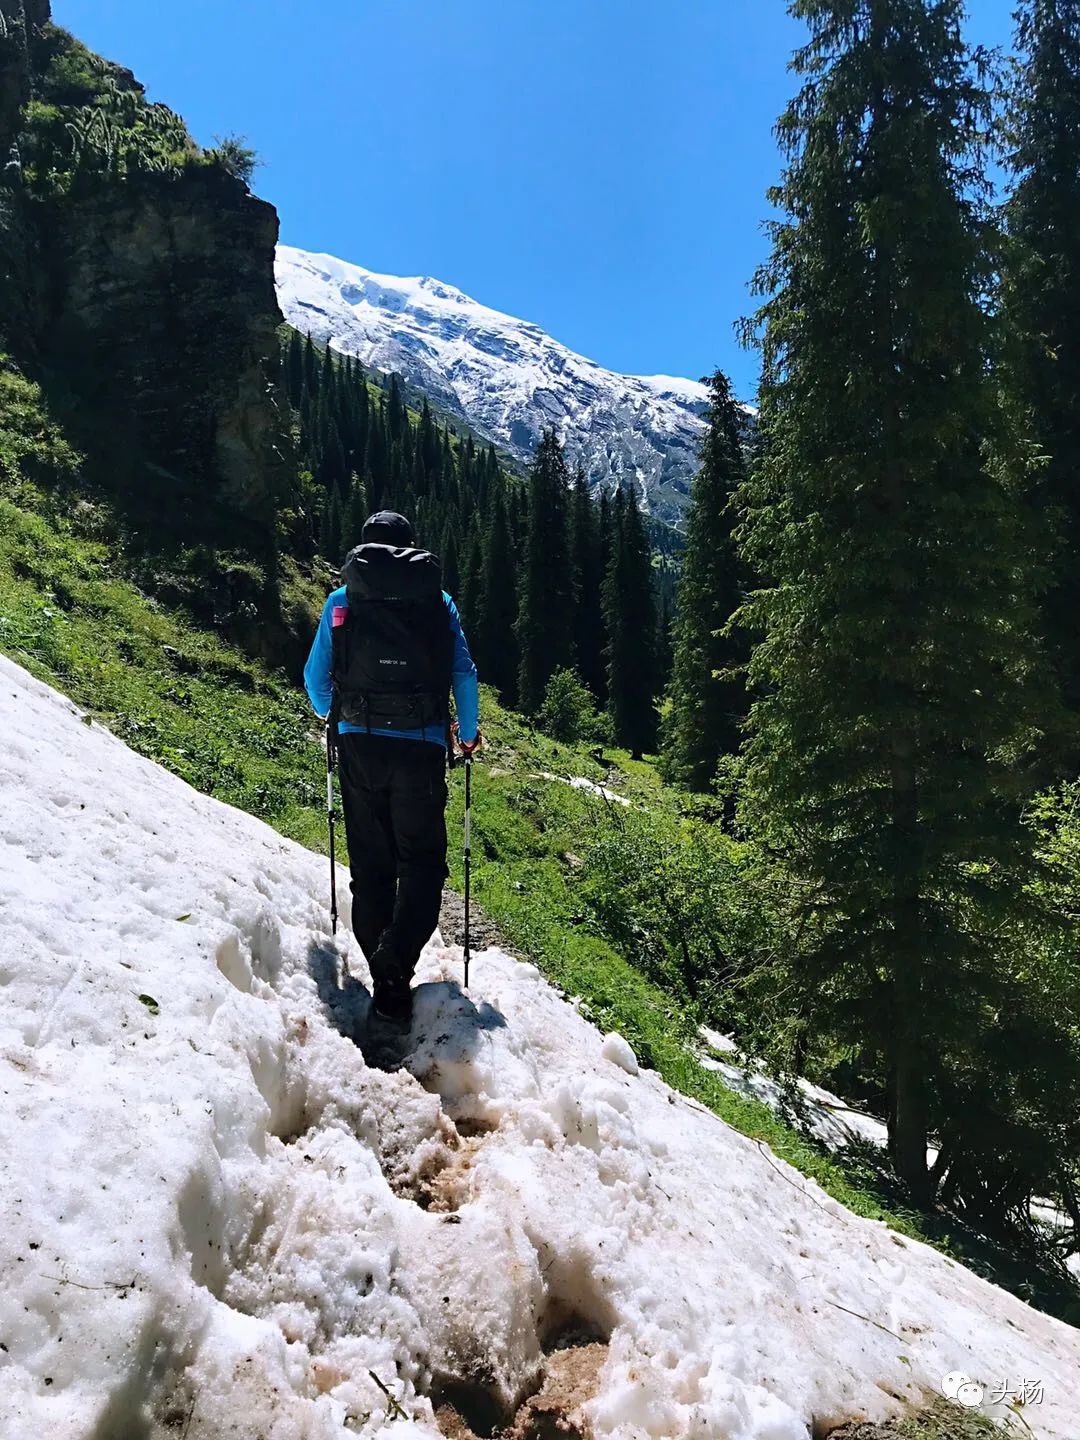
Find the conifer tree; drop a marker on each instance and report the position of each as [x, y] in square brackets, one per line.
[355, 513]
[895, 690]
[472, 576]
[545, 616]
[605, 536]
[311, 365]
[427, 440]
[706, 705]
[1042, 299]
[395, 410]
[377, 459]
[630, 613]
[294, 368]
[665, 622]
[330, 536]
[587, 563]
[449, 553]
[495, 624]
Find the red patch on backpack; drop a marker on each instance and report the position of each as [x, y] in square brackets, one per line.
[337, 616]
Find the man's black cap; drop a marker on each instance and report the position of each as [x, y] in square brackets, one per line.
[387, 527]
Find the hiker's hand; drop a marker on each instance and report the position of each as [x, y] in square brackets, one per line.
[467, 747]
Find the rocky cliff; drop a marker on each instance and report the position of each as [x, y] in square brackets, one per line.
[137, 279]
[162, 307]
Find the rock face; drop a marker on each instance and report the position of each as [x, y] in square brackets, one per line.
[137, 281]
[163, 308]
[18, 21]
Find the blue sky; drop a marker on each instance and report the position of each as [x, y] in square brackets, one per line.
[596, 166]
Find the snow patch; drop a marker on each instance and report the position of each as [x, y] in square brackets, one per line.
[579, 782]
[216, 1217]
[619, 1051]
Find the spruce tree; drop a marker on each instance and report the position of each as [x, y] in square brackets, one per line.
[495, 625]
[294, 368]
[330, 536]
[449, 553]
[630, 614]
[545, 616]
[1042, 300]
[706, 704]
[395, 417]
[894, 683]
[666, 583]
[355, 513]
[587, 564]
[377, 458]
[472, 577]
[605, 535]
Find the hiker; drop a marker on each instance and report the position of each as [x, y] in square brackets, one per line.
[388, 649]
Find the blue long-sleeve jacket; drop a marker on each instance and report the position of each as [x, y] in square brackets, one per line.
[463, 678]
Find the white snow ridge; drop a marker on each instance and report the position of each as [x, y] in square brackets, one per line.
[508, 379]
[217, 1221]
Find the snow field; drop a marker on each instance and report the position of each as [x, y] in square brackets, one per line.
[217, 1220]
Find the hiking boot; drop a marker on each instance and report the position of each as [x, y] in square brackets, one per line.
[391, 998]
[393, 1004]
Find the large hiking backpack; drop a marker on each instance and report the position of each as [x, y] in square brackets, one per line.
[393, 655]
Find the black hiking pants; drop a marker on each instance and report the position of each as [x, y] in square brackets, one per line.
[394, 796]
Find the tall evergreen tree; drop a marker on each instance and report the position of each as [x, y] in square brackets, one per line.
[545, 617]
[355, 513]
[666, 583]
[1042, 300]
[330, 535]
[587, 563]
[895, 689]
[450, 554]
[294, 368]
[707, 705]
[495, 625]
[630, 614]
[395, 417]
[377, 459]
[472, 577]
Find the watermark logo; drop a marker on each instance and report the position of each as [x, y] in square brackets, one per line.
[961, 1388]
[968, 1392]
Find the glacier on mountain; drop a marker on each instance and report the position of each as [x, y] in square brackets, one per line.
[505, 377]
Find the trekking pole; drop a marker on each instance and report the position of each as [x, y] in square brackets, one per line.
[468, 857]
[330, 729]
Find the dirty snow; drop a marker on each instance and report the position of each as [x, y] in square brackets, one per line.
[216, 1220]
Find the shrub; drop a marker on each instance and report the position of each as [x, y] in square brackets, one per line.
[568, 713]
[233, 155]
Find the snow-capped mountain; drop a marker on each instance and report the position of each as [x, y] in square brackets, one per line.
[507, 378]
